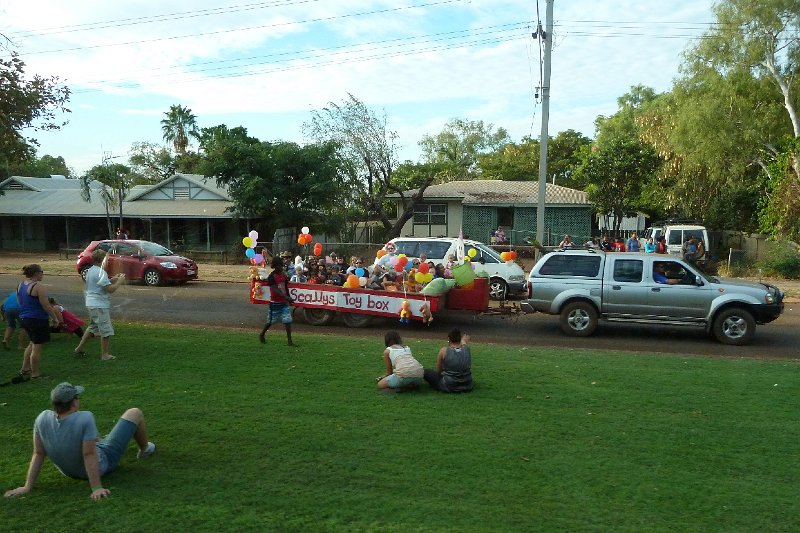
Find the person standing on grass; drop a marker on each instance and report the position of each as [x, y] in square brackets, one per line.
[453, 365]
[279, 301]
[70, 438]
[403, 371]
[9, 310]
[98, 302]
[34, 313]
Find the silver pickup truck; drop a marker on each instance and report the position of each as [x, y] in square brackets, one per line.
[584, 286]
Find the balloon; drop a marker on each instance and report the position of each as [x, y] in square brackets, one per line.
[420, 277]
[393, 260]
[258, 258]
[423, 267]
[401, 256]
[250, 253]
[407, 266]
[248, 242]
[466, 259]
[428, 277]
[504, 256]
[398, 267]
[381, 253]
[308, 238]
[318, 249]
[513, 255]
[352, 280]
[304, 230]
[300, 240]
[360, 272]
[362, 281]
[472, 252]
[402, 260]
[253, 235]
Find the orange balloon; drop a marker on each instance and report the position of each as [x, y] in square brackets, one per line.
[352, 280]
[513, 255]
[381, 253]
[301, 240]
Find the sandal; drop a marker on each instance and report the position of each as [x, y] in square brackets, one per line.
[21, 377]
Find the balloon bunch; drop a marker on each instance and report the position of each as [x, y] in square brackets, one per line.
[423, 274]
[305, 238]
[355, 280]
[250, 242]
[508, 256]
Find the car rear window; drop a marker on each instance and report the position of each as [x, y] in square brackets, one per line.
[432, 249]
[628, 270]
[571, 265]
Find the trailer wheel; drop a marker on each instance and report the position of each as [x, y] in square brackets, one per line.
[356, 320]
[318, 317]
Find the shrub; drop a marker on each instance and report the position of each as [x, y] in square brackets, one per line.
[784, 262]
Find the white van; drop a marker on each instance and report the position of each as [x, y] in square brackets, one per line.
[504, 278]
[677, 234]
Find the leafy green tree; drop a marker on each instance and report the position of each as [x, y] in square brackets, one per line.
[153, 163]
[26, 104]
[780, 210]
[283, 183]
[511, 162]
[178, 126]
[461, 143]
[613, 172]
[45, 166]
[116, 180]
[367, 156]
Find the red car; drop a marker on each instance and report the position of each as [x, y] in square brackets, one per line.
[140, 260]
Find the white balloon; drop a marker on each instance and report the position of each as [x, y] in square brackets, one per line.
[304, 230]
[362, 281]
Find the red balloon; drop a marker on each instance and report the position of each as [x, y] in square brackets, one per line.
[398, 267]
[403, 261]
[513, 255]
[423, 267]
[318, 249]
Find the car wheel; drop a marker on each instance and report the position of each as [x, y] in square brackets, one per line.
[356, 320]
[318, 317]
[152, 277]
[498, 289]
[579, 319]
[734, 326]
[83, 272]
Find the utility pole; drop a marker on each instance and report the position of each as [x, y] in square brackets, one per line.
[547, 36]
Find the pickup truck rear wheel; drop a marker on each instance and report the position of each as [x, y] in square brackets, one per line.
[579, 319]
[318, 317]
[356, 320]
[734, 326]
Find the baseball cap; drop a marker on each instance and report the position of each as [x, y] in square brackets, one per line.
[65, 392]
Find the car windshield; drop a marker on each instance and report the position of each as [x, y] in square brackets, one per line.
[151, 248]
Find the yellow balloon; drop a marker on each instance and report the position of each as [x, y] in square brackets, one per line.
[247, 241]
[472, 252]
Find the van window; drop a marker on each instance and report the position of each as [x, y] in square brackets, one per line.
[571, 265]
[482, 252]
[433, 250]
[675, 237]
[628, 270]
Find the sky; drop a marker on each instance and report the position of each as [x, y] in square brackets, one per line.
[268, 65]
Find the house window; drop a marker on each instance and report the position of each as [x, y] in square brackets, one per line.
[430, 214]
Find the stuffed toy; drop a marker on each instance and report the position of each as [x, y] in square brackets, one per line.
[405, 312]
[253, 276]
[427, 316]
[258, 292]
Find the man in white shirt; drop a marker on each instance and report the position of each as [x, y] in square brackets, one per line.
[98, 301]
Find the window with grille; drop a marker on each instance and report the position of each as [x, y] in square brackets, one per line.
[430, 214]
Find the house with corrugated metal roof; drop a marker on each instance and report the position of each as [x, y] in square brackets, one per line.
[185, 210]
[480, 206]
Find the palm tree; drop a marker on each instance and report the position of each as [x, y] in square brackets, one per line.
[179, 125]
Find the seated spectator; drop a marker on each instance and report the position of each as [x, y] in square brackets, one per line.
[392, 281]
[453, 365]
[438, 271]
[375, 281]
[335, 277]
[500, 235]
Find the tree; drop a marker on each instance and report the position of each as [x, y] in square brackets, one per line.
[368, 158]
[512, 162]
[613, 172]
[153, 163]
[116, 181]
[45, 166]
[178, 126]
[26, 103]
[283, 183]
[461, 143]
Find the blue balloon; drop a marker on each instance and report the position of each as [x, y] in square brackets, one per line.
[250, 253]
[360, 272]
[408, 266]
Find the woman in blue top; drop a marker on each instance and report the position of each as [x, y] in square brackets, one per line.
[649, 246]
[34, 313]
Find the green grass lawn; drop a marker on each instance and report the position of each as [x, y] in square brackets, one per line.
[260, 438]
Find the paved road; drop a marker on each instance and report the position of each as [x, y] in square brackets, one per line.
[226, 305]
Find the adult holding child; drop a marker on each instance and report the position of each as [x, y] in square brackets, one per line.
[35, 311]
[98, 301]
[453, 365]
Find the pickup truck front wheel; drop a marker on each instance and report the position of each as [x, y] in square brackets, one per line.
[734, 326]
[579, 319]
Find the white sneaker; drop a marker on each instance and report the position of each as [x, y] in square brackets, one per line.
[147, 452]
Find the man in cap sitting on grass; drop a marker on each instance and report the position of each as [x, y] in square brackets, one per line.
[70, 438]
